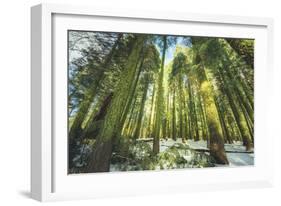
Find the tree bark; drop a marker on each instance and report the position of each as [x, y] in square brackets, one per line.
[159, 100]
[76, 129]
[102, 150]
[140, 115]
[216, 139]
[239, 118]
[247, 53]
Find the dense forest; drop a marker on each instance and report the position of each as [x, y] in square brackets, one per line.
[148, 102]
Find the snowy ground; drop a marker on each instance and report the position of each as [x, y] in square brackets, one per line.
[235, 159]
[183, 157]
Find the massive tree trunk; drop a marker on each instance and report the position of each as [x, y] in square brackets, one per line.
[216, 139]
[75, 130]
[92, 128]
[102, 150]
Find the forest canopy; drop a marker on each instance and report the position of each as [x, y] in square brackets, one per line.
[149, 102]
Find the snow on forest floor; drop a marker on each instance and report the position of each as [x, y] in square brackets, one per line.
[175, 154]
[235, 159]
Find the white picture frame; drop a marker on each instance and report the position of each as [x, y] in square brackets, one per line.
[49, 179]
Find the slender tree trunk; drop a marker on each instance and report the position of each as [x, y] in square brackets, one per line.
[180, 98]
[239, 118]
[159, 101]
[186, 117]
[174, 136]
[168, 116]
[195, 121]
[140, 115]
[241, 97]
[151, 115]
[223, 125]
[190, 116]
[126, 128]
[203, 121]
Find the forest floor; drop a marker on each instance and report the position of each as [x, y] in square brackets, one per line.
[239, 158]
[176, 155]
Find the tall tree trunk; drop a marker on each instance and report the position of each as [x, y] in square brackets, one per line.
[239, 118]
[180, 98]
[242, 98]
[102, 151]
[125, 130]
[92, 128]
[186, 117]
[167, 135]
[188, 107]
[174, 127]
[150, 124]
[140, 115]
[195, 120]
[190, 116]
[203, 120]
[159, 100]
[223, 125]
[216, 139]
[132, 91]
[76, 129]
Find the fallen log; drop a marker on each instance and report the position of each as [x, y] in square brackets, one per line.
[227, 151]
[145, 140]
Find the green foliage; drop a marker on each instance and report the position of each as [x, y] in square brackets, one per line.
[205, 92]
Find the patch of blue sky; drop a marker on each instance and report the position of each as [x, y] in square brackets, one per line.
[170, 52]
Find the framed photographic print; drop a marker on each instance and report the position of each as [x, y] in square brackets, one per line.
[137, 102]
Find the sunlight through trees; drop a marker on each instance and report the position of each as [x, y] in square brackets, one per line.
[143, 101]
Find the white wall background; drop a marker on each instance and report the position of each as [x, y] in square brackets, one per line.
[15, 101]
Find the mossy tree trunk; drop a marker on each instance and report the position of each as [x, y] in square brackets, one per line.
[216, 144]
[102, 150]
[76, 129]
